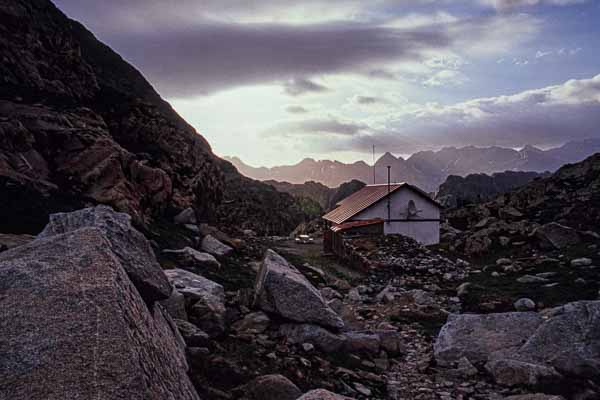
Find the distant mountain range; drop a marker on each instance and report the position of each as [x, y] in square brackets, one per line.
[427, 169]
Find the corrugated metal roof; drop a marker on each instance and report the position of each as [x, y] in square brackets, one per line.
[366, 197]
[356, 224]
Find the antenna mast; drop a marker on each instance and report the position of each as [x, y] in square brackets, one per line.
[389, 203]
[373, 164]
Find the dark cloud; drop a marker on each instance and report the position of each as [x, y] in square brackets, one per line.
[510, 4]
[300, 86]
[316, 127]
[368, 100]
[292, 109]
[184, 56]
[208, 58]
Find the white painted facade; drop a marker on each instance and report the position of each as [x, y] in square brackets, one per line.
[425, 227]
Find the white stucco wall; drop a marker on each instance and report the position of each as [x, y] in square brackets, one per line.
[426, 232]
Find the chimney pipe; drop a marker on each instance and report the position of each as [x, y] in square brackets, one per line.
[389, 203]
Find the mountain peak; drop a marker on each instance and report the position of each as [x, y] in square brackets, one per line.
[387, 159]
[531, 148]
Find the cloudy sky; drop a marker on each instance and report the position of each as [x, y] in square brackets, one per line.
[274, 81]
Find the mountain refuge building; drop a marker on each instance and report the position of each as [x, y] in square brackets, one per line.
[398, 208]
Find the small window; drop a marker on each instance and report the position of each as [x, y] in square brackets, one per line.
[412, 209]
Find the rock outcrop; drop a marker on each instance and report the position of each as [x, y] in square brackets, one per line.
[74, 326]
[282, 289]
[81, 126]
[254, 205]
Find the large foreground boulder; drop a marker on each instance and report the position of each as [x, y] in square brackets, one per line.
[534, 349]
[477, 336]
[282, 289]
[129, 245]
[74, 326]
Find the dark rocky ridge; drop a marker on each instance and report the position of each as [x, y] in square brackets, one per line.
[254, 205]
[325, 196]
[459, 191]
[79, 125]
[570, 196]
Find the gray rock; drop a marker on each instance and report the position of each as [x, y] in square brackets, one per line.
[192, 228]
[307, 347]
[524, 304]
[187, 216]
[360, 342]
[132, 248]
[270, 387]
[193, 259]
[392, 342]
[556, 235]
[253, 323]
[531, 279]
[565, 339]
[282, 289]
[518, 373]
[536, 396]
[336, 305]
[568, 340]
[175, 305]
[322, 394]
[463, 289]
[477, 336]
[306, 333]
[205, 298]
[465, 368]
[354, 295]
[213, 246]
[330, 294]
[74, 326]
[362, 389]
[509, 213]
[192, 335]
[581, 262]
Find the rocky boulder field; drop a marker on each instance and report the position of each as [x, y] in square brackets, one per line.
[259, 318]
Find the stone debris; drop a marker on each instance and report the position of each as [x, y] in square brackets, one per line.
[193, 259]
